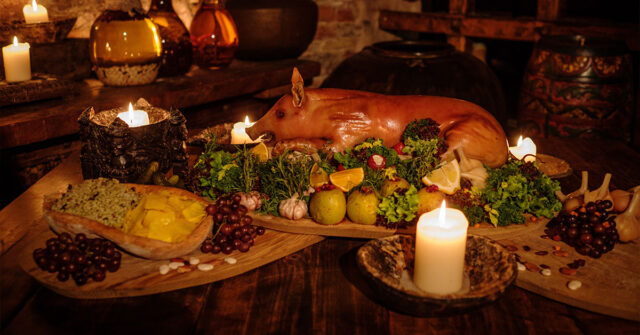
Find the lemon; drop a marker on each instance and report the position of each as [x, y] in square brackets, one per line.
[261, 151]
[447, 177]
[345, 180]
[318, 176]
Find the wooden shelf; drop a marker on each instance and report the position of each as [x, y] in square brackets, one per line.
[458, 25]
[35, 122]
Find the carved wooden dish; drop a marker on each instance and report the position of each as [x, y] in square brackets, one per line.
[387, 264]
[553, 167]
[137, 245]
[53, 31]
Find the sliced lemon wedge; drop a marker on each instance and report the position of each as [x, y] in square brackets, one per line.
[446, 177]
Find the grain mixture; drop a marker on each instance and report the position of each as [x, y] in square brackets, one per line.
[103, 200]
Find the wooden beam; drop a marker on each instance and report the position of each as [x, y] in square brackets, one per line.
[520, 29]
[550, 10]
[461, 7]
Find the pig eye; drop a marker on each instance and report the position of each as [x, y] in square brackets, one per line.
[280, 114]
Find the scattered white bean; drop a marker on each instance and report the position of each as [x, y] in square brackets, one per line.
[546, 272]
[574, 285]
[194, 261]
[175, 265]
[230, 260]
[164, 269]
[205, 267]
[521, 267]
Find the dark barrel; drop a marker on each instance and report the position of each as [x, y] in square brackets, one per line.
[577, 86]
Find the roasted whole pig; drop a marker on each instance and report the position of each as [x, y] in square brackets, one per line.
[341, 119]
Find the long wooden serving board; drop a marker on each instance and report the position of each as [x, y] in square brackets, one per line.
[610, 284]
[138, 276]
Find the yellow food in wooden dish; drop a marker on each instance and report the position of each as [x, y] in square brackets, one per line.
[164, 216]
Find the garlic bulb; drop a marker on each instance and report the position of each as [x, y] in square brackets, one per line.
[293, 208]
[251, 200]
[628, 223]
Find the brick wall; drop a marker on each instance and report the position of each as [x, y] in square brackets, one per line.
[347, 26]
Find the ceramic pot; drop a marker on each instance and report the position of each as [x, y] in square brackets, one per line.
[274, 29]
[422, 68]
[125, 48]
[577, 86]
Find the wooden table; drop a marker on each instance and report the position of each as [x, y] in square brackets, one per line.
[317, 290]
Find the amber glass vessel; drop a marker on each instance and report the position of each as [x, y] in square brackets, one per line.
[176, 45]
[214, 35]
[125, 48]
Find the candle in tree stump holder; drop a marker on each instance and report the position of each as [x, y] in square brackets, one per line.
[112, 149]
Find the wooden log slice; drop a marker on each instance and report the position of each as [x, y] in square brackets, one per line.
[387, 264]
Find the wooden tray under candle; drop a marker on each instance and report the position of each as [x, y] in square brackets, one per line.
[387, 264]
[53, 31]
[39, 87]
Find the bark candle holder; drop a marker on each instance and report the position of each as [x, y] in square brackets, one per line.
[112, 149]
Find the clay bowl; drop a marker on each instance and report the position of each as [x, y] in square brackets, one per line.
[553, 167]
[387, 265]
[137, 245]
[53, 31]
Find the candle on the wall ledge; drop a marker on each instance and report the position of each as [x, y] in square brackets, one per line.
[441, 238]
[134, 118]
[34, 13]
[17, 63]
[523, 148]
[239, 132]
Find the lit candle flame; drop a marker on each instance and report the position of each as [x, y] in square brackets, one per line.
[443, 214]
[130, 113]
[15, 40]
[519, 142]
[34, 4]
[247, 124]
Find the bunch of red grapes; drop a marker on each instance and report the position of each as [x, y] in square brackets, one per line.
[232, 227]
[590, 229]
[81, 258]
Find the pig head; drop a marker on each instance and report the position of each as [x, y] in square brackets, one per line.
[341, 119]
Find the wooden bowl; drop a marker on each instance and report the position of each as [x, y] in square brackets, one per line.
[553, 167]
[387, 265]
[137, 245]
[53, 31]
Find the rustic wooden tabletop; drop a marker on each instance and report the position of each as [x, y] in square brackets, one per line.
[316, 290]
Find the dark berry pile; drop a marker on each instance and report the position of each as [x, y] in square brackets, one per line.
[231, 226]
[590, 229]
[81, 258]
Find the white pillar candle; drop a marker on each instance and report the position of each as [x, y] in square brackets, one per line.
[134, 118]
[523, 148]
[17, 63]
[239, 132]
[35, 13]
[441, 238]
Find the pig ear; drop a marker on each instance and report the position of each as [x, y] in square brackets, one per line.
[297, 88]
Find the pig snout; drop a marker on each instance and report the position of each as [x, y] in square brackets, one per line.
[259, 129]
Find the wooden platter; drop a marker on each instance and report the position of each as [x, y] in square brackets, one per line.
[138, 276]
[610, 284]
[345, 228]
